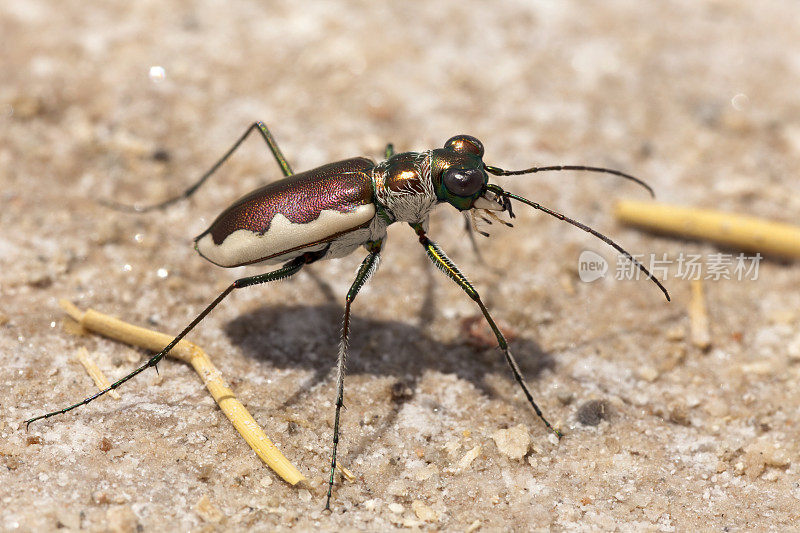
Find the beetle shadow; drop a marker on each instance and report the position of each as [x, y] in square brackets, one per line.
[307, 338]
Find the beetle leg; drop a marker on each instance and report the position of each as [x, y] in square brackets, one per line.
[470, 227]
[367, 268]
[265, 133]
[438, 257]
[290, 268]
[389, 152]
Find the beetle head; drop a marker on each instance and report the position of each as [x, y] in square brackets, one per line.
[459, 174]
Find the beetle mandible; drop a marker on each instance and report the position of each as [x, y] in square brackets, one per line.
[331, 211]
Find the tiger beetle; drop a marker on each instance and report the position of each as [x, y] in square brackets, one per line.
[330, 211]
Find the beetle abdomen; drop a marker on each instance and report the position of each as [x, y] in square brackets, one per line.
[292, 214]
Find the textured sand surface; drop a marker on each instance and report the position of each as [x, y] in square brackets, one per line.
[699, 98]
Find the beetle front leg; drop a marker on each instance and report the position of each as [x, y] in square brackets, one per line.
[365, 271]
[438, 257]
[267, 136]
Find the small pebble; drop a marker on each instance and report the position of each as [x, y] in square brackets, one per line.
[204, 472]
[648, 373]
[469, 457]
[771, 475]
[716, 407]
[396, 508]
[760, 454]
[206, 509]
[565, 397]
[451, 447]
[513, 442]
[759, 368]
[679, 414]
[613, 445]
[424, 512]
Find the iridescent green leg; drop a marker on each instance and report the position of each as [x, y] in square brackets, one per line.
[389, 152]
[262, 129]
[287, 270]
[367, 268]
[451, 270]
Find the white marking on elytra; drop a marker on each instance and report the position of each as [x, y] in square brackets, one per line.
[245, 246]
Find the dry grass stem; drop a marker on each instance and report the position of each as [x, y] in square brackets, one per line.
[94, 371]
[241, 419]
[738, 231]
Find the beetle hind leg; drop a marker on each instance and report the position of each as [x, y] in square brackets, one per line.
[365, 271]
[265, 134]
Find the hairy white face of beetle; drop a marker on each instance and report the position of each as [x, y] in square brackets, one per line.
[489, 204]
[485, 209]
[246, 247]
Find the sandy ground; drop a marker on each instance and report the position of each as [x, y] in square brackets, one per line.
[699, 98]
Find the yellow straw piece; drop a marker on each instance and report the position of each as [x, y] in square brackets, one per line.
[349, 476]
[241, 419]
[94, 371]
[742, 232]
[698, 315]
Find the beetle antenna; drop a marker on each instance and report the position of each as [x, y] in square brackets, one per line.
[500, 172]
[500, 192]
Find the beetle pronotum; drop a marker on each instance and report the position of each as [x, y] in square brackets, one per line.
[330, 211]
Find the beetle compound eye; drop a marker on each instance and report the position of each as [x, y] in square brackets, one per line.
[463, 182]
[465, 144]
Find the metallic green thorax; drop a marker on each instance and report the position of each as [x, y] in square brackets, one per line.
[410, 184]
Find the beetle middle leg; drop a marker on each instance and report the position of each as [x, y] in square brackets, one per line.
[255, 126]
[287, 270]
[365, 271]
[438, 257]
